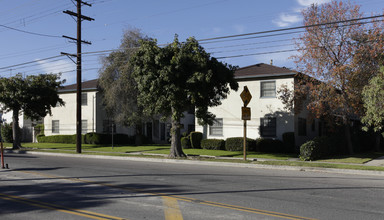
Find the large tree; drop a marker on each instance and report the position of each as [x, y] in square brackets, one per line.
[34, 95]
[118, 86]
[341, 53]
[177, 77]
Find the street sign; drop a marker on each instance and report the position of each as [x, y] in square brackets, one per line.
[246, 96]
[245, 113]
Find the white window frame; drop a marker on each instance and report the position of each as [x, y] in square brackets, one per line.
[55, 126]
[216, 129]
[263, 90]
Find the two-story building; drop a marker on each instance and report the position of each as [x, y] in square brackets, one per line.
[95, 119]
[269, 118]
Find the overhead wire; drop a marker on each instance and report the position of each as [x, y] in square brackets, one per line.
[103, 52]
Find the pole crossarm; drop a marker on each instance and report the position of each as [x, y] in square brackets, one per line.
[74, 39]
[76, 15]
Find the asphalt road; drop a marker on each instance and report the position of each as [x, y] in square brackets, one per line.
[51, 187]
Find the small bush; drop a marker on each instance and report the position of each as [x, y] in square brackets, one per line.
[236, 144]
[196, 138]
[318, 148]
[6, 133]
[269, 145]
[310, 150]
[213, 144]
[289, 142]
[185, 142]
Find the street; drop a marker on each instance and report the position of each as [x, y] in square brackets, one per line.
[54, 187]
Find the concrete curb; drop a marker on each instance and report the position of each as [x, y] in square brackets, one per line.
[209, 163]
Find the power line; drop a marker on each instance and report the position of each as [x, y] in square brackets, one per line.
[292, 28]
[28, 32]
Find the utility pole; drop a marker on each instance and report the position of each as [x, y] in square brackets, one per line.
[78, 41]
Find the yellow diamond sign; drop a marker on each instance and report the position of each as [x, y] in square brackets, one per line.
[246, 96]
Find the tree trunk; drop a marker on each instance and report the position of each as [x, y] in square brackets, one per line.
[16, 130]
[377, 143]
[176, 150]
[348, 136]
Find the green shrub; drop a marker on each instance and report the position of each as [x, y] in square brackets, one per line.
[236, 144]
[196, 138]
[310, 150]
[318, 147]
[6, 133]
[213, 144]
[289, 142]
[185, 142]
[98, 138]
[65, 139]
[269, 145]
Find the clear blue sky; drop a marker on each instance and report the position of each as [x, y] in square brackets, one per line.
[157, 19]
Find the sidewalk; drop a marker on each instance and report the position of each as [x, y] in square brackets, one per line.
[379, 162]
[204, 160]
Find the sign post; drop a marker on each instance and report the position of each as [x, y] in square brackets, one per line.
[245, 115]
[1, 150]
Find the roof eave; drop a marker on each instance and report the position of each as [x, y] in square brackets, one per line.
[266, 75]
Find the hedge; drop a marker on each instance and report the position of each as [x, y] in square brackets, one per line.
[213, 144]
[236, 144]
[196, 138]
[89, 138]
[65, 139]
[269, 145]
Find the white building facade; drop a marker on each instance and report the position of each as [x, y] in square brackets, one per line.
[94, 117]
[269, 118]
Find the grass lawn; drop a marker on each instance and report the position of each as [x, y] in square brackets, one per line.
[341, 162]
[356, 158]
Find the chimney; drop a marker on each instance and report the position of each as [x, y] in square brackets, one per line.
[271, 62]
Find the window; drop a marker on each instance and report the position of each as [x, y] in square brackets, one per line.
[84, 99]
[268, 127]
[84, 126]
[268, 89]
[216, 129]
[302, 127]
[55, 126]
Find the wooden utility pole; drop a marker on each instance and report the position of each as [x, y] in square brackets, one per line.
[78, 41]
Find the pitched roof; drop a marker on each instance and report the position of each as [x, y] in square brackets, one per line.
[263, 70]
[85, 86]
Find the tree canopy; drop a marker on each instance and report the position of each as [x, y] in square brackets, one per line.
[343, 53]
[373, 97]
[116, 81]
[174, 78]
[35, 95]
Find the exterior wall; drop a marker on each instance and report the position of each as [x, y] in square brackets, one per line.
[67, 114]
[230, 111]
[96, 117]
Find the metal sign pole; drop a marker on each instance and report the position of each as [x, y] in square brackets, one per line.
[245, 140]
